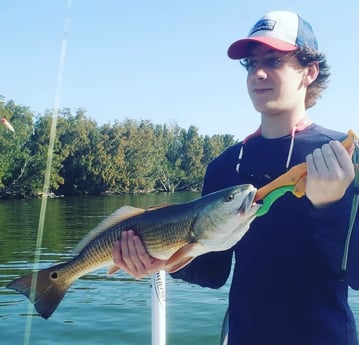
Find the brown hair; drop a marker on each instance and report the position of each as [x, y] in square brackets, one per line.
[306, 57]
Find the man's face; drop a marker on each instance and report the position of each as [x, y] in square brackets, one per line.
[274, 80]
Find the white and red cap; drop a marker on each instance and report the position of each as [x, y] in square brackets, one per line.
[281, 30]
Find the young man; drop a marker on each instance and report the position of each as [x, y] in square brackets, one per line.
[289, 286]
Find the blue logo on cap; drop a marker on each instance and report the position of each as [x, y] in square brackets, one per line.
[263, 24]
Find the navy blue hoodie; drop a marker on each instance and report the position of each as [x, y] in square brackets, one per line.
[288, 287]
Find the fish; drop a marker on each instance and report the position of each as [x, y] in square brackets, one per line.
[176, 233]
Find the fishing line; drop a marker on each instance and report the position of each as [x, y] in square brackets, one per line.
[40, 230]
[354, 208]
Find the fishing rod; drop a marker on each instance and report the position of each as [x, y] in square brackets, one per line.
[158, 281]
[52, 136]
[158, 308]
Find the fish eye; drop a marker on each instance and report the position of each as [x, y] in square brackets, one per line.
[230, 197]
[54, 275]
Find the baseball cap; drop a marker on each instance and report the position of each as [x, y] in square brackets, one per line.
[281, 30]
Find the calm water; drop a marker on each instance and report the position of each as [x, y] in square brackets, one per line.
[97, 309]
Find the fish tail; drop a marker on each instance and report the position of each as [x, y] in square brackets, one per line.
[50, 289]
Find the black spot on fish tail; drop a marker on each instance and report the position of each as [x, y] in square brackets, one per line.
[50, 289]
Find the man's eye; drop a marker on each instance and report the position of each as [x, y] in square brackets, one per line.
[248, 64]
[273, 62]
[252, 64]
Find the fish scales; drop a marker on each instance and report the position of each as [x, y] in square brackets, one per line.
[175, 233]
[163, 229]
[158, 236]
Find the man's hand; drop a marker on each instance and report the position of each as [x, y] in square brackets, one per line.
[330, 172]
[130, 254]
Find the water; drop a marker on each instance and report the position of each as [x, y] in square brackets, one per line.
[98, 309]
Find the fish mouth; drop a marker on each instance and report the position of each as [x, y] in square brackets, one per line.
[248, 206]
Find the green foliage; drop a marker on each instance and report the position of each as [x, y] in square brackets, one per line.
[125, 157]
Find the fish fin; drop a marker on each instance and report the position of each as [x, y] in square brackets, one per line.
[178, 265]
[116, 217]
[50, 289]
[181, 257]
[113, 269]
[156, 207]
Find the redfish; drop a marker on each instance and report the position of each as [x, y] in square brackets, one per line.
[176, 233]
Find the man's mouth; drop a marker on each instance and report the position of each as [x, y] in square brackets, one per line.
[260, 91]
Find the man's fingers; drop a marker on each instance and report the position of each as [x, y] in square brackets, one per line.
[343, 158]
[130, 254]
[330, 171]
[116, 253]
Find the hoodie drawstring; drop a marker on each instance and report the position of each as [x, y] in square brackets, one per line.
[297, 128]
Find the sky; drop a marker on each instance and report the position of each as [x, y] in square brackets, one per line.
[163, 61]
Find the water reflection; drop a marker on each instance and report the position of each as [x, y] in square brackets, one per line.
[98, 309]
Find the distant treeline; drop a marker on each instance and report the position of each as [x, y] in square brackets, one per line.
[124, 157]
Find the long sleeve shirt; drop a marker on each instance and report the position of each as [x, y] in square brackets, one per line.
[288, 286]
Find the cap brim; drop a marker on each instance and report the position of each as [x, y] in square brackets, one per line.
[240, 48]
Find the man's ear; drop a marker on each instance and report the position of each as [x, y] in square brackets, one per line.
[311, 73]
